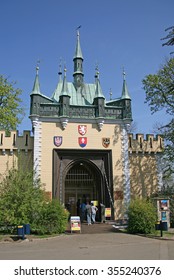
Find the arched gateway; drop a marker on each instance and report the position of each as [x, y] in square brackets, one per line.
[80, 175]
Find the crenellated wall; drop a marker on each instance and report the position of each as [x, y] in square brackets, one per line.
[144, 154]
[13, 147]
[150, 144]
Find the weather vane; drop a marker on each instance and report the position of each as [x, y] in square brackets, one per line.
[78, 27]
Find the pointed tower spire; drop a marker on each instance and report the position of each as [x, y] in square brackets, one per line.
[125, 93]
[78, 63]
[65, 85]
[36, 86]
[56, 94]
[78, 51]
[98, 91]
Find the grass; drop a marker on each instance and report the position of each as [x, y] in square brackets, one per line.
[32, 236]
[156, 233]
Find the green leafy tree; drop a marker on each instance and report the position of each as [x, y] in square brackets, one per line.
[10, 109]
[24, 201]
[141, 216]
[159, 90]
[21, 200]
[169, 37]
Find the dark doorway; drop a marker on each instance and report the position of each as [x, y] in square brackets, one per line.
[82, 183]
[78, 174]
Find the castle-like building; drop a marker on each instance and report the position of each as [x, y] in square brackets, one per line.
[81, 147]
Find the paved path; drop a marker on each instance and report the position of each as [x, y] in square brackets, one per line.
[104, 243]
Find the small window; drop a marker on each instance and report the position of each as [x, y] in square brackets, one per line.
[141, 144]
[14, 139]
[130, 142]
[26, 140]
[1, 142]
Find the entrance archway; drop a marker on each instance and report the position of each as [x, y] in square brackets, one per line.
[82, 184]
[69, 169]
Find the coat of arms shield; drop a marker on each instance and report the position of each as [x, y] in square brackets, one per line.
[58, 141]
[105, 142]
[82, 141]
[82, 129]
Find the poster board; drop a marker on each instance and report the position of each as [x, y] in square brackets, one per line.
[107, 212]
[75, 223]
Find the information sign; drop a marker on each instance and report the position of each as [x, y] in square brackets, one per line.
[108, 212]
[75, 223]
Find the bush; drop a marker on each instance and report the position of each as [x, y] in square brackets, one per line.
[21, 199]
[53, 219]
[24, 201]
[141, 217]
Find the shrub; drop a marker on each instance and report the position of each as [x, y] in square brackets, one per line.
[53, 219]
[24, 201]
[141, 217]
[21, 199]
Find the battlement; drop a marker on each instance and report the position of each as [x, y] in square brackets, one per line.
[14, 141]
[150, 144]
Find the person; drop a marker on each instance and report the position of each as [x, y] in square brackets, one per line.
[78, 207]
[88, 213]
[94, 210]
[82, 211]
[103, 219]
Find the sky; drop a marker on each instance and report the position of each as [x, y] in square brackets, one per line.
[114, 34]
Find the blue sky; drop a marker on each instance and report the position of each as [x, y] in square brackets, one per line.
[114, 33]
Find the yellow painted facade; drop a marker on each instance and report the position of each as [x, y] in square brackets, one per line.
[143, 164]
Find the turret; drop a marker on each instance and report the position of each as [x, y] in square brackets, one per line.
[64, 98]
[78, 64]
[99, 98]
[35, 94]
[127, 113]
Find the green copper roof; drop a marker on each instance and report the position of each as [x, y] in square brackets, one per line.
[125, 93]
[78, 51]
[98, 92]
[83, 96]
[36, 86]
[64, 90]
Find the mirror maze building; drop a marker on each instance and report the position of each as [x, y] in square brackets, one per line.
[81, 147]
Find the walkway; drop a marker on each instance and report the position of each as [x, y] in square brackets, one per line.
[104, 243]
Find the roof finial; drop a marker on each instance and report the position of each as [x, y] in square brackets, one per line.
[124, 74]
[60, 67]
[110, 93]
[78, 33]
[37, 67]
[97, 71]
[65, 70]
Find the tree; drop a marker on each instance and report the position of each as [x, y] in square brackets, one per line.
[21, 199]
[24, 201]
[10, 109]
[169, 37]
[159, 90]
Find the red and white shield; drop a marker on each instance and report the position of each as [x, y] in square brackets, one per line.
[82, 141]
[82, 129]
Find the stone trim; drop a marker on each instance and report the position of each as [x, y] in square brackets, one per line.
[37, 125]
[159, 166]
[125, 164]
